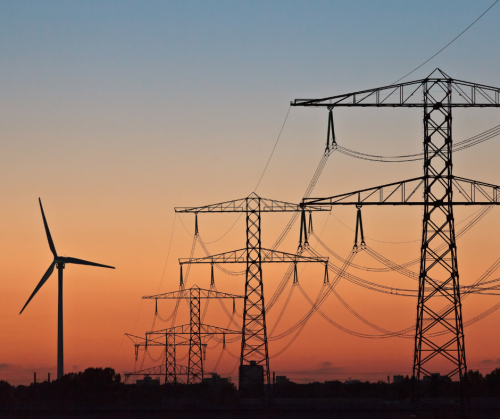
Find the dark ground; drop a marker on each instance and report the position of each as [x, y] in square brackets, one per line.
[99, 394]
[283, 408]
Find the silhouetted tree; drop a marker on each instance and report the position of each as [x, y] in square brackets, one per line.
[493, 379]
[5, 392]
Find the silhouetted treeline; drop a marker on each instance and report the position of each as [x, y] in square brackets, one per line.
[477, 386]
[103, 388]
[97, 388]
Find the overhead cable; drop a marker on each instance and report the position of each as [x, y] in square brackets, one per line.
[448, 44]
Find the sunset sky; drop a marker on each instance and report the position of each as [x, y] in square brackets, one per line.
[115, 112]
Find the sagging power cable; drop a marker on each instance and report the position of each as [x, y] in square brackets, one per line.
[462, 145]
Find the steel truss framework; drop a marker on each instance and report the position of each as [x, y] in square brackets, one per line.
[162, 370]
[254, 345]
[171, 367]
[197, 330]
[410, 192]
[409, 95]
[241, 256]
[438, 267]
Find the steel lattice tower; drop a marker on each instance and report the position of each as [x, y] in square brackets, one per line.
[196, 332]
[254, 346]
[439, 336]
[254, 338]
[171, 370]
[195, 365]
[438, 276]
[170, 362]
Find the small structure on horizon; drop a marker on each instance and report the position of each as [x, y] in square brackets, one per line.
[281, 379]
[148, 381]
[251, 378]
[216, 380]
[397, 379]
[349, 381]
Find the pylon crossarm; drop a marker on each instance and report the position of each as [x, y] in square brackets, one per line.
[136, 340]
[184, 294]
[471, 192]
[469, 188]
[160, 370]
[389, 194]
[240, 205]
[240, 256]
[152, 341]
[185, 329]
[409, 95]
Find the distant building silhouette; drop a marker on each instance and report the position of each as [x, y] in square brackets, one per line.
[436, 378]
[216, 380]
[349, 381]
[148, 381]
[251, 378]
[281, 379]
[397, 379]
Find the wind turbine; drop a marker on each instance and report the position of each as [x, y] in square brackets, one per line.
[60, 262]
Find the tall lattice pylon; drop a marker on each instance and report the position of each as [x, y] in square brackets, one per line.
[171, 370]
[254, 338]
[170, 360]
[438, 265]
[196, 331]
[254, 346]
[195, 364]
[439, 336]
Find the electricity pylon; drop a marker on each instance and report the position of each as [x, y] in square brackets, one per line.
[254, 345]
[159, 370]
[171, 370]
[439, 308]
[197, 331]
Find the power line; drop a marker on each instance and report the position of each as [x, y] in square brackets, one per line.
[274, 148]
[448, 44]
[168, 253]
[462, 145]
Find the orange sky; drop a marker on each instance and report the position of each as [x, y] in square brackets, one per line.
[100, 305]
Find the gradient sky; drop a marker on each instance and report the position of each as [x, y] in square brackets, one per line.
[115, 112]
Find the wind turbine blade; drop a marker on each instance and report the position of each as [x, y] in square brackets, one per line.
[82, 262]
[47, 231]
[40, 284]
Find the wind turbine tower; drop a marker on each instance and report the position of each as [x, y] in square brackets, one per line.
[59, 262]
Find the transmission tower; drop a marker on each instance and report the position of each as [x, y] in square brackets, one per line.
[171, 370]
[159, 370]
[197, 330]
[439, 308]
[254, 346]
